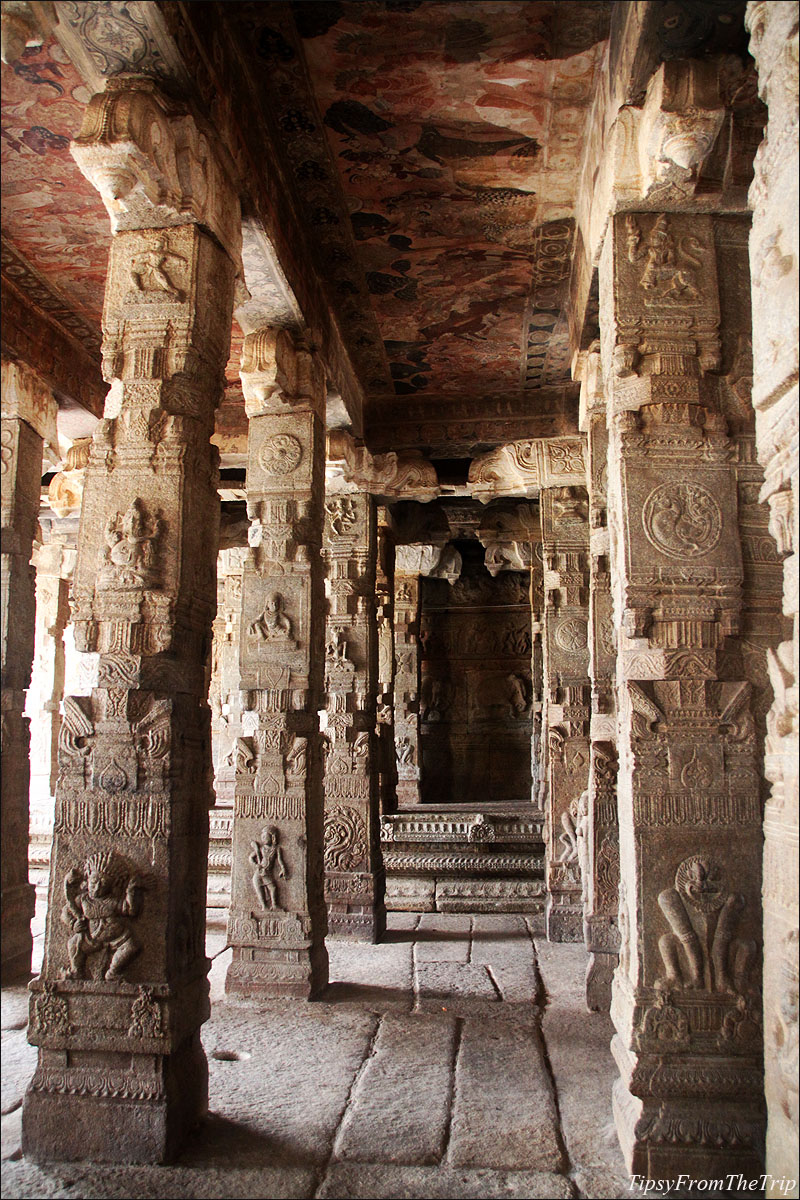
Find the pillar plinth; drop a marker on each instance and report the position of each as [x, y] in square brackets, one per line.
[116, 1013]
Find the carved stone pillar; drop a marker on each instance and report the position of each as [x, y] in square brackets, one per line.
[599, 837]
[277, 920]
[406, 679]
[225, 700]
[384, 607]
[354, 884]
[28, 416]
[565, 538]
[773, 258]
[54, 564]
[117, 1011]
[686, 994]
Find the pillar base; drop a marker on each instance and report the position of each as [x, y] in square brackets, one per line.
[564, 921]
[77, 1110]
[261, 972]
[357, 925]
[599, 975]
[690, 1139]
[18, 906]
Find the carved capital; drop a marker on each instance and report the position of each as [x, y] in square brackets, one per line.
[527, 466]
[351, 467]
[683, 114]
[151, 164]
[280, 372]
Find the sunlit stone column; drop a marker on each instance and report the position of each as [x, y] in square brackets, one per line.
[565, 538]
[277, 920]
[774, 269]
[384, 607]
[685, 1001]
[354, 883]
[598, 832]
[116, 1013]
[28, 418]
[406, 675]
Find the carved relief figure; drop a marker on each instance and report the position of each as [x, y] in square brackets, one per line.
[273, 625]
[517, 694]
[666, 275]
[149, 270]
[336, 646]
[295, 762]
[267, 858]
[405, 752]
[130, 548]
[342, 515]
[703, 919]
[570, 820]
[682, 520]
[102, 899]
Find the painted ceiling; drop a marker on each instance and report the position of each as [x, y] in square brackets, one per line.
[456, 131]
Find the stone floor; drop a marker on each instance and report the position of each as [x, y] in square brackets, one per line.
[457, 1059]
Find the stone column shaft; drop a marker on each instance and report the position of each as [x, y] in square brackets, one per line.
[774, 270]
[406, 686]
[277, 918]
[686, 994]
[354, 883]
[28, 416]
[116, 1013]
[565, 537]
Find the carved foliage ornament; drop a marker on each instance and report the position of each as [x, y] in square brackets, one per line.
[280, 454]
[345, 839]
[682, 520]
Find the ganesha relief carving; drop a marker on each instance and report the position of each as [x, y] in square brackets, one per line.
[682, 520]
[130, 553]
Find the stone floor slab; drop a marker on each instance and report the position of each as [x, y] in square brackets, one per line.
[400, 1107]
[504, 1115]
[370, 1182]
[574, 1037]
[29, 1182]
[461, 989]
[379, 977]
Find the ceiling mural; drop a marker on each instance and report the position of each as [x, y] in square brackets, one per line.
[456, 132]
[52, 216]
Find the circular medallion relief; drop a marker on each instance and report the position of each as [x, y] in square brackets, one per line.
[281, 454]
[682, 520]
[572, 635]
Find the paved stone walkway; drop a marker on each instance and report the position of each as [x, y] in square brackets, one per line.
[457, 1059]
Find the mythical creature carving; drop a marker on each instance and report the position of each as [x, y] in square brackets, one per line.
[102, 899]
[682, 520]
[703, 918]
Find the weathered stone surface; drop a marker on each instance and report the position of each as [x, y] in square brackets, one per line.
[364, 1182]
[412, 1056]
[503, 1112]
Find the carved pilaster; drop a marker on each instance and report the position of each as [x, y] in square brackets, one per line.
[773, 263]
[354, 883]
[384, 607]
[54, 566]
[686, 1001]
[28, 418]
[117, 1011]
[599, 836]
[277, 920]
[406, 681]
[565, 538]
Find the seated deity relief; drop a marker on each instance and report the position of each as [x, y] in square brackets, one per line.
[273, 625]
[267, 858]
[150, 272]
[130, 554]
[102, 899]
[701, 950]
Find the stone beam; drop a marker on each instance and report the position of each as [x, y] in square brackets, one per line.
[524, 468]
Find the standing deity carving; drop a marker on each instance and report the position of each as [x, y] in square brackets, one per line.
[267, 858]
[130, 548]
[102, 899]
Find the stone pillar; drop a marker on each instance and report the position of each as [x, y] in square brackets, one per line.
[116, 1013]
[28, 417]
[54, 564]
[384, 607]
[773, 258]
[598, 835]
[354, 883]
[225, 700]
[406, 678]
[565, 538]
[277, 920]
[685, 997]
